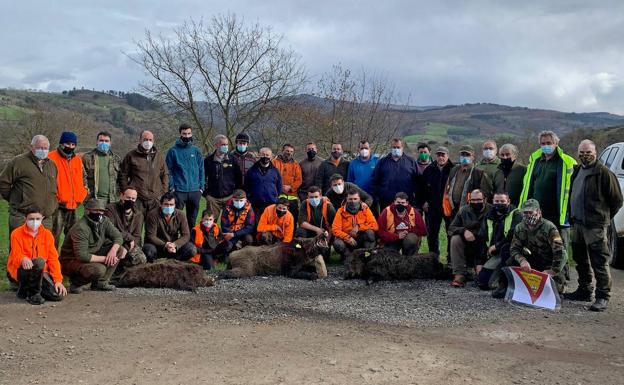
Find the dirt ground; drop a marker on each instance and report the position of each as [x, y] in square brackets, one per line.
[197, 338]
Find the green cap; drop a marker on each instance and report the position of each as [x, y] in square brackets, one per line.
[95, 204]
[530, 205]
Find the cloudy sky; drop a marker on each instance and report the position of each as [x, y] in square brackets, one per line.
[566, 55]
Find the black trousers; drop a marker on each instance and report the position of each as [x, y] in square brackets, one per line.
[433, 219]
[190, 200]
[184, 253]
[35, 281]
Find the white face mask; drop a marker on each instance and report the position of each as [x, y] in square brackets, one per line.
[208, 223]
[365, 152]
[147, 145]
[488, 154]
[338, 189]
[33, 224]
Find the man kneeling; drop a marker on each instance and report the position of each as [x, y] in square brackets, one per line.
[401, 226]
[92, 250]
[354, 226]
[167, 234]
[276, 223]
[33, 262]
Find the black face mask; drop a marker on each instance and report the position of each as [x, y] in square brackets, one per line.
[128, 205]
[281, 213]
[95, 217]
[68, 150]
[311, 154]
[186, 139]
[353, 207]
[506, 163]
[400, 208]
[477, 207]
[265, 160]
[501, 208]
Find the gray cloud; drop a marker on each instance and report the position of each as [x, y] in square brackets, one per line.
[564, 55]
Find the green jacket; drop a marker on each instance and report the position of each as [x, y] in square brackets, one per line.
[489, 167]
[603, 196]
[544, 242]
[562, 184]
[86, 238]
[24, 184]
[512, 184]
[90, 163]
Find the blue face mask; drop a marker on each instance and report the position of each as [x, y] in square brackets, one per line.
[103, 146]
[315, 201]
[241, 148]
[168, 210]
[548, 149]
[465, 160]
[41, 154]
[223, 149]
[397, 152]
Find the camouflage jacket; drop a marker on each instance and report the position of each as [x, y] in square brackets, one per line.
[544, 242]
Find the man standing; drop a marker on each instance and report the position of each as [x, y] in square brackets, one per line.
[395, 172]
[263, 183]
[422, 163]
[127, 218]
[334, 165]
[464, 178]
[354, 226]
[595, 198]
[242, 156]
[401, 227]
[510, 173]
[337, 194]
[144, 169]
[101, 166]
[91, 250]
[238, 221]
[33, 261]
[435, 178]
[468, 234]
[309, 166]
[361, 168]
[167, 234]
[186, 173]
[223, 176]
[30, 180]
[489, 163]
[71, 184]
[290, 172]
[548, 181]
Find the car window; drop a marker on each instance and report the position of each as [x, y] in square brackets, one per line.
[605, 155]
[611, 156]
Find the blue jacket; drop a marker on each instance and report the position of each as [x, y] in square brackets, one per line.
[391, 177]
[263, 185]
[361, 172]
[186, 167]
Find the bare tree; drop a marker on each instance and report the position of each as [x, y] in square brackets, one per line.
[225, 74]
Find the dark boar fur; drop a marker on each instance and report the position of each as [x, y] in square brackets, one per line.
[294, 260]
[166, 273]
[383, 264]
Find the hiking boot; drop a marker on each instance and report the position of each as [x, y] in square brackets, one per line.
[459, 281]
[35, 299]
[74, 289]
[103, 286]
[578, 295]
[599, 305]
[499, 292]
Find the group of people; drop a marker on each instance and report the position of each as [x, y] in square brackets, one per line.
[496, 212]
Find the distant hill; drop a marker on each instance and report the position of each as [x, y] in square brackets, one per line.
[128, 113]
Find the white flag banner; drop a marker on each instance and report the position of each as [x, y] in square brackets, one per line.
[534, 288]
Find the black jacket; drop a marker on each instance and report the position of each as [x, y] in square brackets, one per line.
[435, 181]
[222, 178]
[603, 196]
